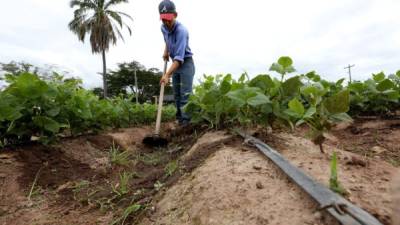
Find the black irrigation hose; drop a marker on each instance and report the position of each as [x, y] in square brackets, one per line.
[341, 209]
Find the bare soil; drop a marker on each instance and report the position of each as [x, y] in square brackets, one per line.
[370, 138]
[201, 178]
[238, 185]
[77, 182]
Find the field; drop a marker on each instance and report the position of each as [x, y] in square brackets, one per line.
[69, 157]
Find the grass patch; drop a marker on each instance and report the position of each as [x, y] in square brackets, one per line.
[121, 188]
[127, 212]
[118, 157]
[151, 159]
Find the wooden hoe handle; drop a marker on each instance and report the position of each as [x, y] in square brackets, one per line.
[160, 103]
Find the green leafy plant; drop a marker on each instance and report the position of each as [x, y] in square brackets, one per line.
[322, 113]
[222, 101]
[33, 108]
[377, 96]
[283, 66]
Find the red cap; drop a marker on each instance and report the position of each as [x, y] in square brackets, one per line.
[167, 16]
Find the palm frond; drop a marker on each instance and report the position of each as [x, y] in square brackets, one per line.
[77, 26]
[83, 4]
[129, 29]
[122, 13]
[100, 4]
[114, 2]
[115, 28]
[115, 16]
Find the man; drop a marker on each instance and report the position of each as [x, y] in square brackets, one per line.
[177, 48]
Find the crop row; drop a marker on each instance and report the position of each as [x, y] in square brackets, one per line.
[31, 107]
[222, 101]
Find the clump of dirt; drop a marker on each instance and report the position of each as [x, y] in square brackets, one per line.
[130, 138]
[371, 138]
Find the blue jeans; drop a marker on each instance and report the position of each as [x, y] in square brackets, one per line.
[182, 82]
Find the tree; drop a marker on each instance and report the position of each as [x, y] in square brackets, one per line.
[95, 17]
[16, 68]
[122, 81]
[98, 91]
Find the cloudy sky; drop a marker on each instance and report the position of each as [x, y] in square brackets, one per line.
[226, 36]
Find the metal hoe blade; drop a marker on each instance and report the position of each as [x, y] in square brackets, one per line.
[155, 141]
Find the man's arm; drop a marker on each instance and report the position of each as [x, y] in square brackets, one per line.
[175, 65]
[166, 54]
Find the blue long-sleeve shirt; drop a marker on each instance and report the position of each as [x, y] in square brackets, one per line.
[177, 41]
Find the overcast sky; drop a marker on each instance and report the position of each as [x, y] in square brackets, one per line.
[226, 36]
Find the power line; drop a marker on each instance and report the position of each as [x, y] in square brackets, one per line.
[349, 68]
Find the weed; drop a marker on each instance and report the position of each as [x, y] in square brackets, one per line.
[121, 188]
[35, 191]
[119, 157]
[171, 167]
[151, 158]
[334, 184]
[394, 162]
[127, 212]
[80, 185]
[376, 137]
[158, 185]
[78, 188]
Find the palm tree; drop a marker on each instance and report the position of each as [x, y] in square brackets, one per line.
[95, 17]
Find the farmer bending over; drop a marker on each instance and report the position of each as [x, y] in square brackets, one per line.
[177, 48]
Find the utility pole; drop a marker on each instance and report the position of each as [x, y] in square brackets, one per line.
[349, 68]
[136, 92]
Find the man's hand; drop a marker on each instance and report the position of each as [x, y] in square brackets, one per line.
[164, 79]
